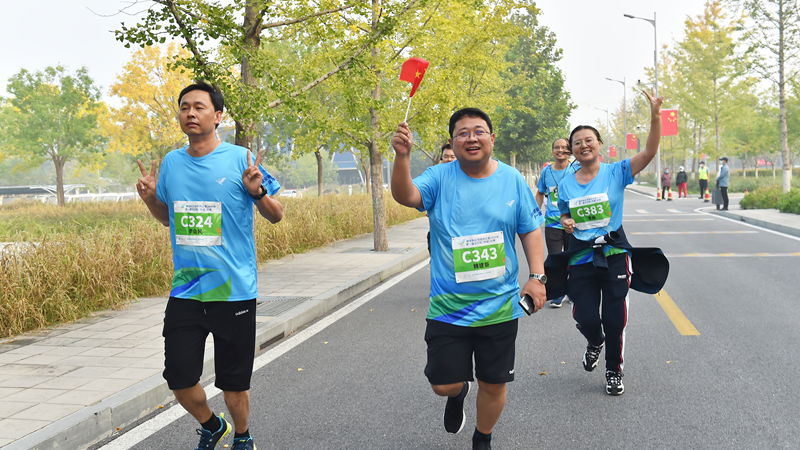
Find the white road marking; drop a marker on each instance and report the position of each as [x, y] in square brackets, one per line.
[729, 255]
[677, 211]
[667, 220]
[665, 215]
[696, 232]
[642, 211]
[700, 210]
[150, 427]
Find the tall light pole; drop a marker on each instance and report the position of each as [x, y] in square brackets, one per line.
[608, 130]
[624, 112]
[655, 67]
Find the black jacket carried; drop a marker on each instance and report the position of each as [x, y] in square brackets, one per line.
[681, 178]
[650, 266]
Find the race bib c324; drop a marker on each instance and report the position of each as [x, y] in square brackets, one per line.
[592, 211]
[198, 223]
[479, 257]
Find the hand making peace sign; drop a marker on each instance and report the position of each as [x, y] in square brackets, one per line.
[147, 184]
[252, 176]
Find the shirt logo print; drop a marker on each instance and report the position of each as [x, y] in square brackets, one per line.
[510, 203]
[220, 181]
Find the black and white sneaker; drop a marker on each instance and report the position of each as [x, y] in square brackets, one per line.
[454, 417]
[614, 384]
[591, 356]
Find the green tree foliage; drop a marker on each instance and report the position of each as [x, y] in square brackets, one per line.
[538, 105]
[53, 115]
[773, 34]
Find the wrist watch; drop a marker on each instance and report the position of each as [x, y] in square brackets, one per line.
[261, 195]
[539, 276]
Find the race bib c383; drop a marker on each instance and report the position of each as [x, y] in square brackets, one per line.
[592, 211]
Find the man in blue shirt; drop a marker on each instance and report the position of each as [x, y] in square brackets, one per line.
[476, 206]
[723, 178]
[204, 194]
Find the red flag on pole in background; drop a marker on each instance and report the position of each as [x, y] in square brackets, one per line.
[612, 151]
[669, 122]
[413, 70]
[631, 141]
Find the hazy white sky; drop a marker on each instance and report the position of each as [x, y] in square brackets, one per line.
[598, 42]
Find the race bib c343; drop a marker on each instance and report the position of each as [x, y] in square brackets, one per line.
[592, 211]
[198, 223]
[479, 257]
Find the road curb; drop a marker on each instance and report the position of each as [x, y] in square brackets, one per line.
[91, 424]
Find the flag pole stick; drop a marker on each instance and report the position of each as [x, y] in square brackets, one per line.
[408, 109]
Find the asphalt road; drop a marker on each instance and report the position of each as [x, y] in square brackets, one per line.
[730, 385]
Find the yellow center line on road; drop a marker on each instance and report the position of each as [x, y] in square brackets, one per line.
[685, 328]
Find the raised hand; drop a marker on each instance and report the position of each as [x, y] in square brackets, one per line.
[147, 184]
[252, 176]
[402, 140]
[655, 103]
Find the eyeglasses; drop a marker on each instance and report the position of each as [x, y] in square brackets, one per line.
[587, 142]
[561, 147]
[464, 135]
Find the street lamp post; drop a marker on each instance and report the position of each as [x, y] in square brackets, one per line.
[608, 129]
[624, 112]
[655, 67]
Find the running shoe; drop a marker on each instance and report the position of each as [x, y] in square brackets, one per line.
[481, 445]
[209, 440]
[614, 384]
[556, 302]
[454, 417]
[591, 356]
[243, 444]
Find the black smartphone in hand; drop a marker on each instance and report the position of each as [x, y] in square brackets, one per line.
[527, 305]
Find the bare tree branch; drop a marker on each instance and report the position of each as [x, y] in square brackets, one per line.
[301, 19]
[201, 61]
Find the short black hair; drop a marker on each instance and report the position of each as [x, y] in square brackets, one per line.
[216, 96]
[446, 146]
[560, 139]
[585, 127]
[469, 112]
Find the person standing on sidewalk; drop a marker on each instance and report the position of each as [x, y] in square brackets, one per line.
[477, 206]
[556, 239]
[204, 194]
[596, 271]
[723, 178]
[702, 176]
[681, 179]
[665, 183]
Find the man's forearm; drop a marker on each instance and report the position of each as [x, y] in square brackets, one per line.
[159, 210]
[270, 208]
[533, 245]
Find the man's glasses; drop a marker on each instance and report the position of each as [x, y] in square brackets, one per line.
[464, 135]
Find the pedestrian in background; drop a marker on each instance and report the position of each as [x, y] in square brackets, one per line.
[681, 179]
[446, 157]
[556, 239]
[723, 178]
[665, 183]
[702, 176]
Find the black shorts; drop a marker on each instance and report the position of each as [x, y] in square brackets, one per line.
[451, 349]
[186, 327]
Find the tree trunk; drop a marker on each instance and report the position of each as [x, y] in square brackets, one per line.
[787, 167]
[380, 238]
[319, 172]
[513, 160]
[251, 44]
[59, 163]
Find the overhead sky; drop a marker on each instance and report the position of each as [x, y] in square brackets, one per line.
[598, 42]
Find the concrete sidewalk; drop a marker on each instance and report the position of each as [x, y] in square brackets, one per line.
[72, 385]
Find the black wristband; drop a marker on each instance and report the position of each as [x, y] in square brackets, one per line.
[261, 195]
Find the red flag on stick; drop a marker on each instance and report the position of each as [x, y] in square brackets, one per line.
[631, 141]
[612, 151]
[413, 70]
[669, 122]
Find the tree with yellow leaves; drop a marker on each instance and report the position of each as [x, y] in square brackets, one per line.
[146, 123]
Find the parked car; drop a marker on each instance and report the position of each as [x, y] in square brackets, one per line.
[294, 193]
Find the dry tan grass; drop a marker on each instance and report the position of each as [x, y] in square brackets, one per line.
[90, 257]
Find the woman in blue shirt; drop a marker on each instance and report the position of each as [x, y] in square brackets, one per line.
[590, 202]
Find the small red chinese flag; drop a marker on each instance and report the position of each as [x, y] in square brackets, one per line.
[612, 151]
[669, 122]
[631, 141]
[413, 70]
